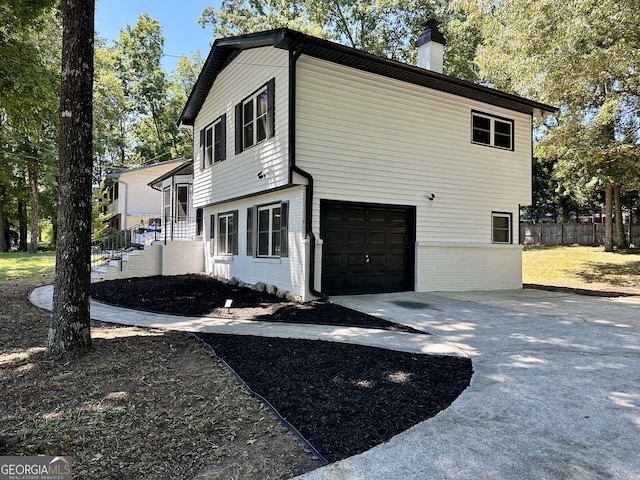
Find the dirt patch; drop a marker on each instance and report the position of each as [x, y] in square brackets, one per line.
[141, 404]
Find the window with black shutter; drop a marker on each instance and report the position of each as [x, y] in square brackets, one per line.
[255, 118]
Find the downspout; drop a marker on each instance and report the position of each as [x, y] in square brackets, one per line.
[308, 221]
[126, 201]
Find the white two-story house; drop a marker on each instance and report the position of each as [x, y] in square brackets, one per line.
[322, 169]
[128, 199]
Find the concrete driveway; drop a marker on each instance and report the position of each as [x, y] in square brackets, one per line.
[555, 392]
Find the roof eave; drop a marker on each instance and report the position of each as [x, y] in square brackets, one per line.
[223, 50]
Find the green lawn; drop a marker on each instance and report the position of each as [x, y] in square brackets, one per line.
[581, 267]
[30, 268]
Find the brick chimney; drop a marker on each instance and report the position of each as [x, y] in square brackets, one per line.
[430, 45]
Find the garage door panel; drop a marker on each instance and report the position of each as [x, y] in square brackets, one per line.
[374, 251]
[354, 282]
[377, 215]
[353, 215]
[333, 260]
[355, 259]
[356, 237]
[333, 236]
[378, 237]
[333, 213]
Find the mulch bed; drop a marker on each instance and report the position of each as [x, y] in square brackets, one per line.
[344, 399]
[200, 295]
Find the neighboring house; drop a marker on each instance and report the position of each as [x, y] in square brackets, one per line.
[324, 169]
[129, 199]
[170, 243]
[180, 220]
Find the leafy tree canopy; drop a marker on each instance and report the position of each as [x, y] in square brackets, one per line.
[386, 28]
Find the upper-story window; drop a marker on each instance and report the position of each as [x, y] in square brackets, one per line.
[213, 145]
[491, 131]
[255, 117]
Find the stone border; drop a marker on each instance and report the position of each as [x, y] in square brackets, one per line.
[261, 287]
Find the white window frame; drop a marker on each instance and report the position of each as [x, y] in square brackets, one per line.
[179, 216]
[271, 234]
[212, 234]
[251, 132]
[225, 233]
[492, 131]
[214, 142]
[495, 229]
[208, 145]
[166, 200]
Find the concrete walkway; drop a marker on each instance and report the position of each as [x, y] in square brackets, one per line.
[555, 392]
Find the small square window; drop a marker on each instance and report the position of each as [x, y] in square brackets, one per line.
[500, 227]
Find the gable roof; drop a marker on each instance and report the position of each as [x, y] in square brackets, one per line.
[225, 49]
[185, 168]
[114, 176]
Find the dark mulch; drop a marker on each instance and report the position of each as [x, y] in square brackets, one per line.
[344, 399]
[200, 295]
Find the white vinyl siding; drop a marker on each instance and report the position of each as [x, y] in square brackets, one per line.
[137, 200]
[286, 272]
[263, 166]
[421, 148]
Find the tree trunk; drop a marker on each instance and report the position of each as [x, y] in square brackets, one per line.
[69, 330]
[22, 225]
[622, 237]
[608, 220]
[33, 190]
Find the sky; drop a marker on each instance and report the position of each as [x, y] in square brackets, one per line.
[182, 33]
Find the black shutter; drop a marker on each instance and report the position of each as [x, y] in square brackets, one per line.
[212, 231]
[271, 116]
[223, 147]
[284, 229]
[202, 148]
[234, 234]
[238, 131]
[250, 243]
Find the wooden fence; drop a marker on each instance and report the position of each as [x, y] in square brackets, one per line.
[573, 233]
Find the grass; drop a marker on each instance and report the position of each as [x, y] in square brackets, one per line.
[589, 268]
[30, 268]
[142, 404]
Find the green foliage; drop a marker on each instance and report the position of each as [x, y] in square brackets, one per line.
[30, 45]
[582, 56]
[387, 28]
[136, 102]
